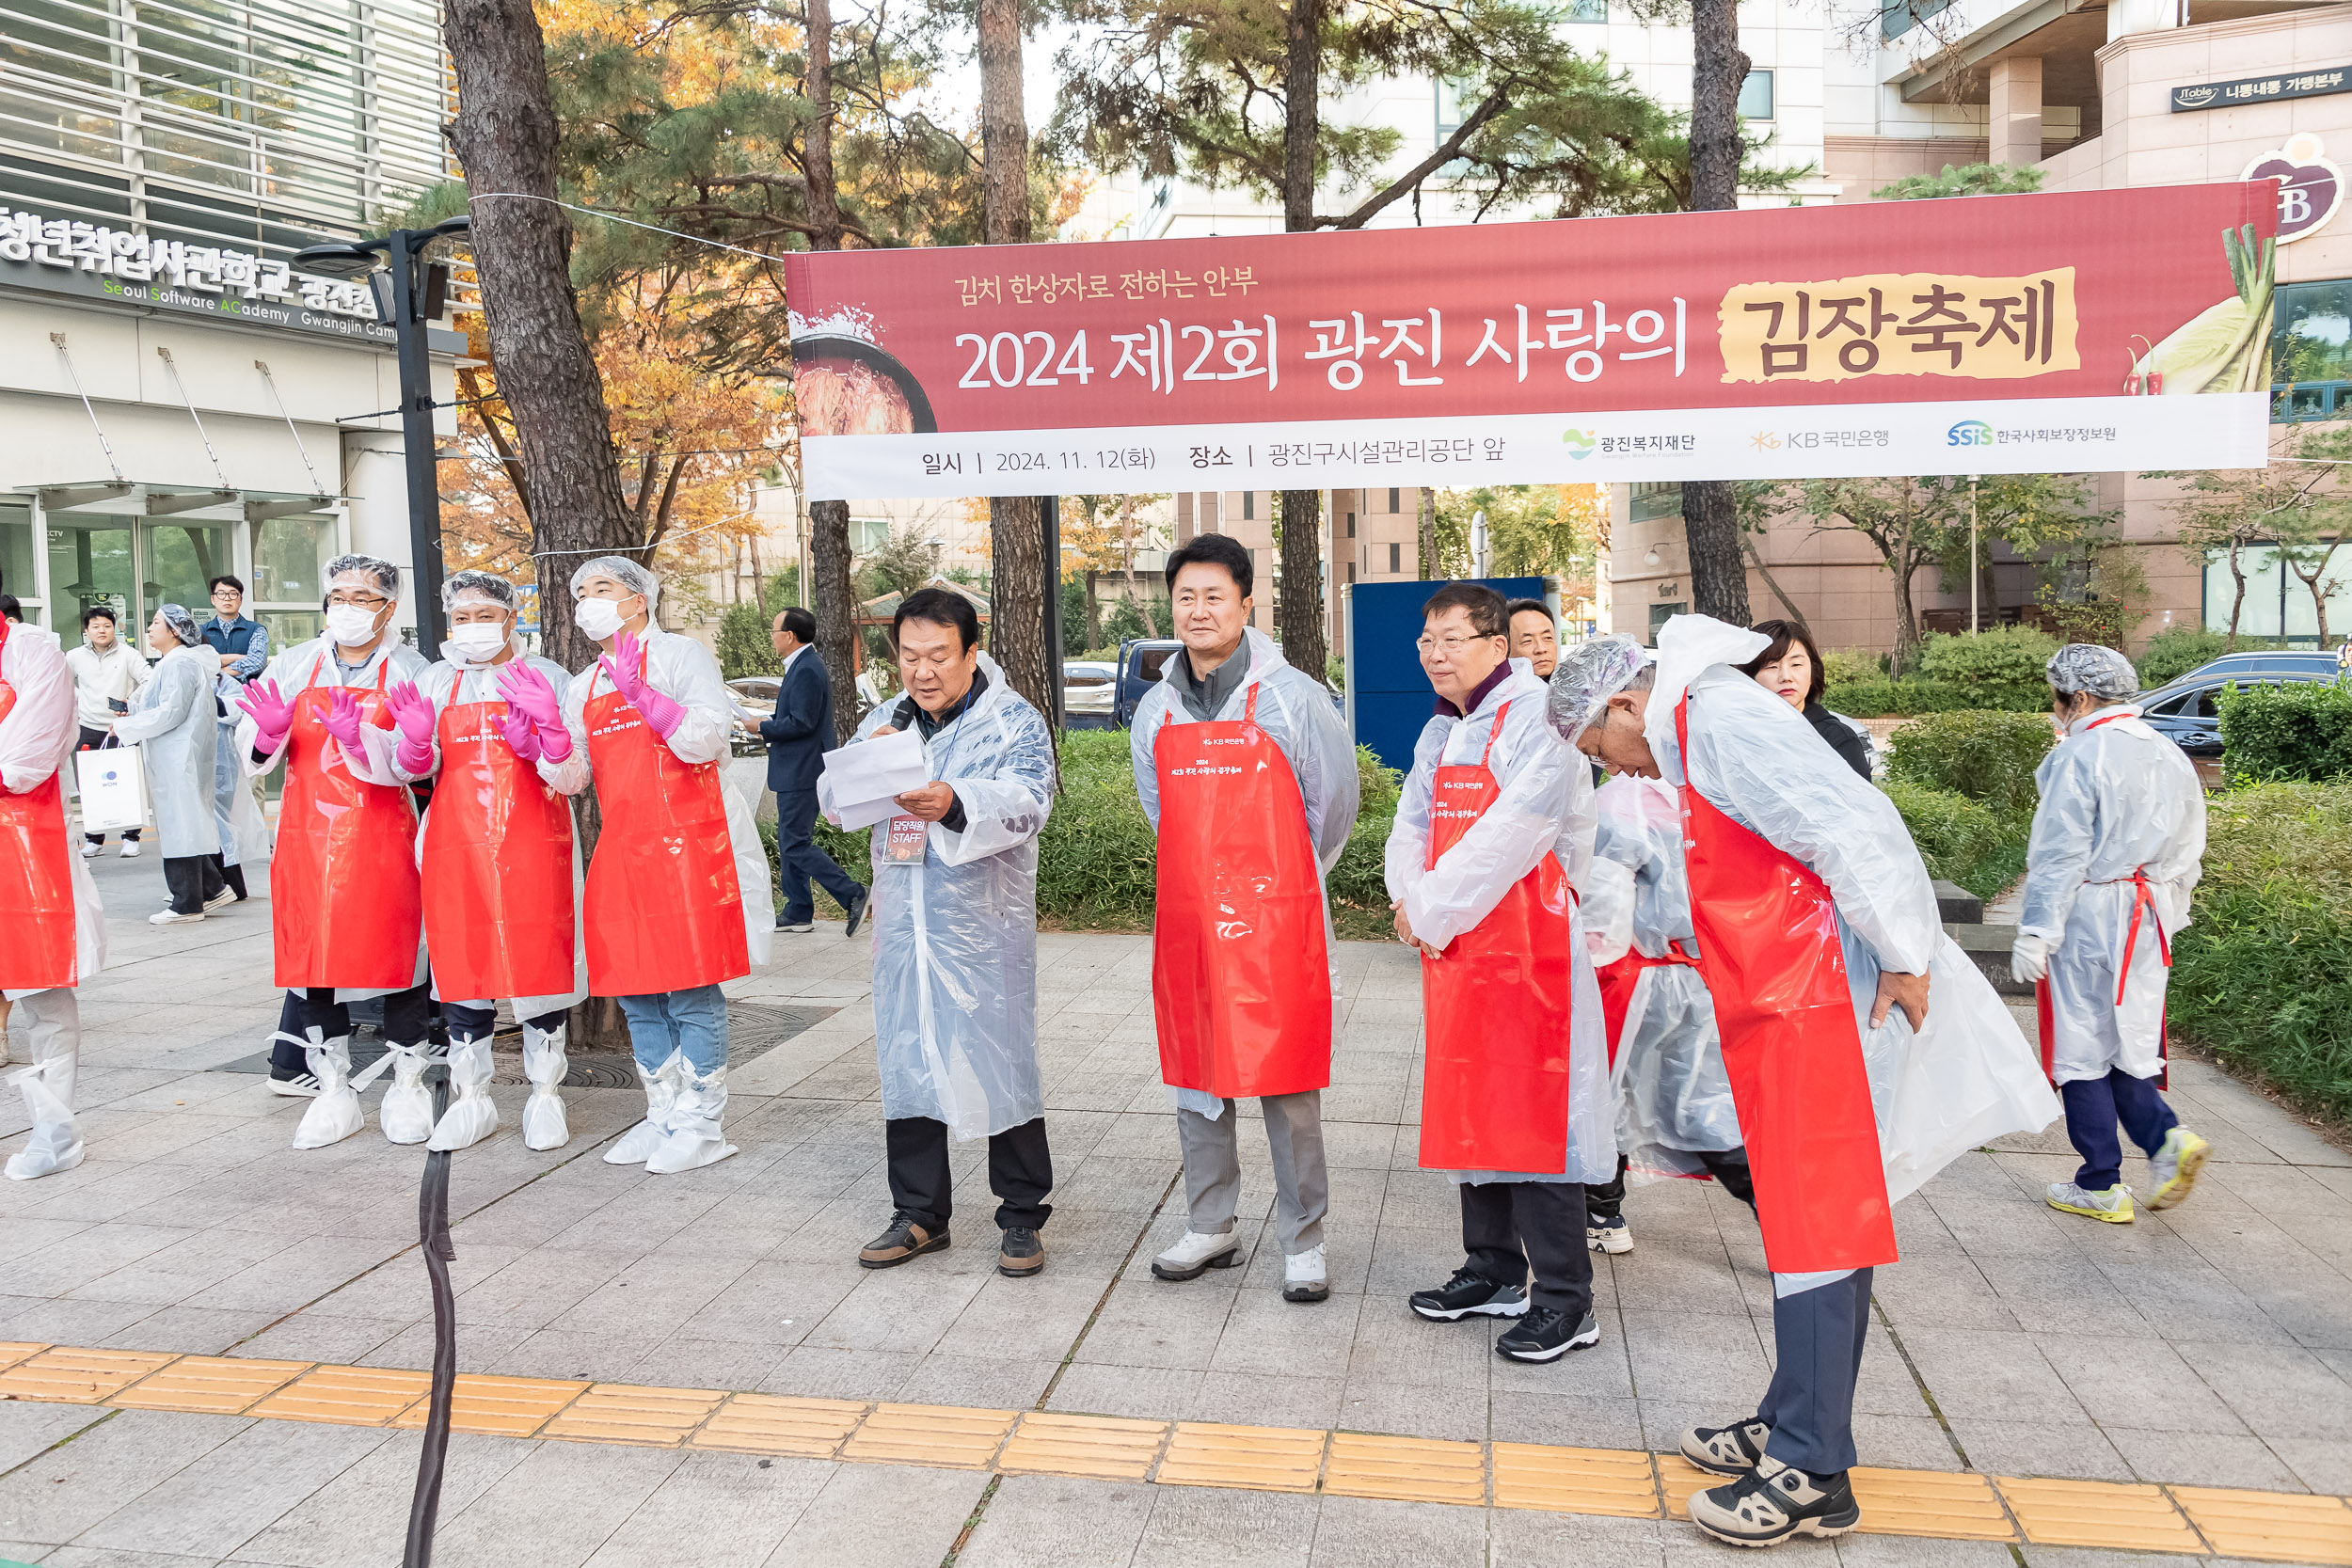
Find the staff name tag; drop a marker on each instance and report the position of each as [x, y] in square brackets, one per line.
[907, 836]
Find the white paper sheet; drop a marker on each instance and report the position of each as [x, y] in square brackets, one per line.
[865, 778]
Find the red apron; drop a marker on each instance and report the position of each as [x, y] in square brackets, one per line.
[1767, 946]
[664, 911]
[36, 879]
[1618, 981]
[1494, 1093]
[345, 911]
[498, 866]
[1241, 974]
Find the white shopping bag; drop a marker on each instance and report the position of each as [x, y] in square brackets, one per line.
[114, 788]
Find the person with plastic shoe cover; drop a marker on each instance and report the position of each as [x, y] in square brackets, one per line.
[955, 938]
[1493, 830]
[1865, 1051]
[56, 929]
[499, 865]
[677, 897]
[172, 721]
[347, 916]
[2118, 845]
[1247, 776]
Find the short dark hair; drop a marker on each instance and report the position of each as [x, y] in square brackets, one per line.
[9, 609]
[1487, 615]
[801, 624]
[1511, 611]
[936, 607]
[1783, 633]
[1214, 549]
[230, 580]
[94, 612]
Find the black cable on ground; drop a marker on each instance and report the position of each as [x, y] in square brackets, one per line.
[433, 1236]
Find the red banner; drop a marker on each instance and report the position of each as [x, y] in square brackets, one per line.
[1987, 333]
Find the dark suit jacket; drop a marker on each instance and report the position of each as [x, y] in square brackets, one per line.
[801, 731]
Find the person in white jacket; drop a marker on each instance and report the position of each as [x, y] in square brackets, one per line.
[1822, 949]
[1247, 776]
[171, 721]
[677, 897]
[2118, 844]
[107, 674]
[1493, 828]
[955, 938]
[49, 908]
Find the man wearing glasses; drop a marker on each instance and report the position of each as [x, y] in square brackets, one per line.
[241, 645]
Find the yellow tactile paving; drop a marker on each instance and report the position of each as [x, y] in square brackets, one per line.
[625, 1412]
[1677, 1477]
[213, 1384]
[1575, 1480]
[65, 1375]
[2098, 1513]
[498, 1406]
[780, 1424]
[1405, 1469]
[1956, 1504]
[930, 1435]
[1256, 1459]
[2269, 1525]
[13, 1351]
[1104, 1448]
[346, 1396]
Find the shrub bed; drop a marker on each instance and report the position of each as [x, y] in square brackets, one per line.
[2293, 730]
[1962, 840]
[1998, 668]
[1882, 698]
[1987, 756]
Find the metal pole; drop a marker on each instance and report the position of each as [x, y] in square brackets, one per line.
[1049, 514]
[1972, 556]
[416, 434]
[433, 1234]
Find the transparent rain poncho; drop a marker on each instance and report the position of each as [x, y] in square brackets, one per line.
[2117, 800]
[171, 721]
[955, 933]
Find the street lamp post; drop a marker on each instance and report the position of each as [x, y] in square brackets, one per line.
[1971, 555]
[405, 299]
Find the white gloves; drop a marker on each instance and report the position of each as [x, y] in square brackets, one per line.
[2029, 958]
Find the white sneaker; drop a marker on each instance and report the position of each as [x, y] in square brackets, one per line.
[1189, 1257]
[172, 917]
[91, 847]
[1303, 1277]
[225, 895]
[1612, 1235]
[130, 849]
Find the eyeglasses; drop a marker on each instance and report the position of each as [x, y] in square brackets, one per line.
[1452, 644]
[365, 601]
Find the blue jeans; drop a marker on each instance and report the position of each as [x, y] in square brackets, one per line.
[2095, 1105]
[693, 1021]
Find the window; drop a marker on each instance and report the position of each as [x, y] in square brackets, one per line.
[1393, 501]
[2278, 605]
[290, 556]
[16, 550]
[1897, 16]
[1395, 555]
[1653, 499]
[1755, 96]
[1249, 505]
[1351, 525]
[1351, 571]
[2310, 349]
[1584, 10]
[867, 534]
[1660, 614]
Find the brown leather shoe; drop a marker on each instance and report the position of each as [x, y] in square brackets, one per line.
[904, 1241]
[1021, 1254]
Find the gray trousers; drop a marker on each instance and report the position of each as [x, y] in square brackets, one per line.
[1302, 1188]
[1816, 1337]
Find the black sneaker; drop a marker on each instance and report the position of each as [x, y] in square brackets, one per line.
[1774, 1501]
[1731, 1450]
[1022, 1255]
[1468, 1292]
[857, 912]
[902, 1242]
[1547, 1333]
[302, 1086]
[795, 922]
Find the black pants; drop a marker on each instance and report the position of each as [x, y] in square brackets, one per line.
[1817, 1348]
[193, 880]
[1729, 1167]
[1020, 1173]
[234, 877]
[1606, 1201]
[799, 858]
[471, 1023]
[1507, 1227]
[407, 1017]
[92, 740]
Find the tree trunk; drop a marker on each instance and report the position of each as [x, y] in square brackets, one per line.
[830, 601]
[1428, 510]
[1906, 621]
[1094, 613]
[1719, 579]
[1127, 553]
[824, 201]
[1020, 581]
[1298, 615]
[2237, 602]
[2315, 582]
[1299, 619]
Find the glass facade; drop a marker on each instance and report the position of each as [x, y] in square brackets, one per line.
[131, 564]
[290, 556]
[2310, 350]
[2278, 605]
[16, 551]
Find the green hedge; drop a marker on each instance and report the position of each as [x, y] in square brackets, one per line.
[2263, 976]
[1888, 699]
[2293, 730]
[1987, 756]
[1998, 668]
[1963, 841]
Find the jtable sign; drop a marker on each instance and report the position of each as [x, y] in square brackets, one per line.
[2069, 332]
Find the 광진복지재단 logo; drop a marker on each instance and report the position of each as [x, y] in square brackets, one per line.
[1579, 443]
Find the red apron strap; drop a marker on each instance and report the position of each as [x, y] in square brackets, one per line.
[1492, 736]
[1250, 707]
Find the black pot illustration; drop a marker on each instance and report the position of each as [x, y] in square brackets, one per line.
[845, 385]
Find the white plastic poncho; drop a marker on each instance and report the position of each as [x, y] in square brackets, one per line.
[955, 933]
[1969, 1076]
[684, 670]
[1295, 710]
[1544, 807]
[37, 740]
[1673, 1097]
[2116, 798]
[172, 721]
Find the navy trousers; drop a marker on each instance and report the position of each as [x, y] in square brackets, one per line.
[800, 859]
[2095, 1105]
[1817, 1343]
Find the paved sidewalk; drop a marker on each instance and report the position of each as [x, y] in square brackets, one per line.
[2209, 1346]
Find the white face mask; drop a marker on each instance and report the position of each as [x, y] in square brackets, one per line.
[350, 625]
[599, 620]
[480, 642]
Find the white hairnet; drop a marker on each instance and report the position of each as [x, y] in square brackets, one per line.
[2087, 667]
[485, 586]
[382, 573]
[1588, 675]
[620, 568]
[181, 624]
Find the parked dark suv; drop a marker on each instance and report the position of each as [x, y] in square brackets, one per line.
[2188, 709]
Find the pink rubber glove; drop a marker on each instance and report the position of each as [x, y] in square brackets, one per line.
[273, 716]
[527, 692]
[625, 666]
[343, 720]
[520, 738]
[412, 711]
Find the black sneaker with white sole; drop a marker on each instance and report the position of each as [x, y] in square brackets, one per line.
[1731, 1450]
[1547, 1333]
[1469, 1293]
[302, 1086]
[1773, 1502]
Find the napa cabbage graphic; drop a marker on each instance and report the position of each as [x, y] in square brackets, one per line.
[1579, 443]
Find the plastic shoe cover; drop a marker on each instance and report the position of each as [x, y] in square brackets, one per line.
[57, 1142]
[661, 1086]
[694, 1137]
[544, 1122]
[471, 1117]
[335, 1114]
[406, 1112]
